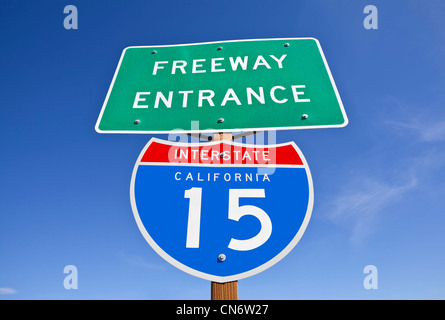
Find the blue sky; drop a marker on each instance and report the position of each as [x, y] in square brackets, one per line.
[379, 183]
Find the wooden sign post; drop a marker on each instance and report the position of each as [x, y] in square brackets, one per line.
[227, 290]
[224, 291]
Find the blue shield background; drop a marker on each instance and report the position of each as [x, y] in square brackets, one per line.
[163, 211]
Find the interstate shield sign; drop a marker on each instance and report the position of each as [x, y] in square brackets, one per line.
[221, 211]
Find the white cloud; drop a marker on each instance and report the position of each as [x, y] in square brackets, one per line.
[428, 131]
[6, 290]
[425, 122]
[410, 156]
[138, 261]
[360, 207]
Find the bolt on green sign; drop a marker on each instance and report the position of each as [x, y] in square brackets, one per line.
[225, 86]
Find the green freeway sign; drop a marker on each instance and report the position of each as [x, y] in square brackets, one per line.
[224, 86]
